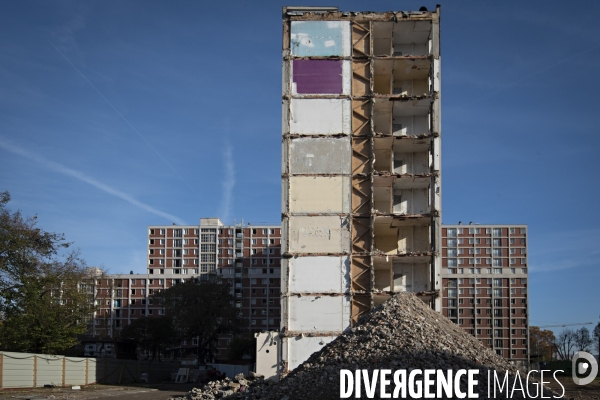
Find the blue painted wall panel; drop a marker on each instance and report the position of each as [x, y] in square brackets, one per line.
[320, 38]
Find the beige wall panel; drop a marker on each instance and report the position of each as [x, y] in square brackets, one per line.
[314, 194]
[319, 234]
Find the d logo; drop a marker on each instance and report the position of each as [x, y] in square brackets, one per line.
[583, 367]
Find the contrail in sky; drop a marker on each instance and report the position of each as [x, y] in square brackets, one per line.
[84, 178]
[539, 71]
[228, 183]
[121, 115]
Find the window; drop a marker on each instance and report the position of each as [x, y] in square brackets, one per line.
[162, 231]
[451, 232]
[512, 241]
[497, 232]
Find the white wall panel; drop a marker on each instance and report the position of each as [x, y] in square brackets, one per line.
[319, 313]
[301, 348]
[319, 274]
[320, 116]
[319, 234]
[320, 156]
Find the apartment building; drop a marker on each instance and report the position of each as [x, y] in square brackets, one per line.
[485, 285]
[361, 171]
[247, 257]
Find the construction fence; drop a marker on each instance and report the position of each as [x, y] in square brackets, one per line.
[25, 370]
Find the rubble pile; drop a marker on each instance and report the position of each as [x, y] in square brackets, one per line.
[403, 333]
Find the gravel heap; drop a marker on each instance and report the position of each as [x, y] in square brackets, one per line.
[402, 333]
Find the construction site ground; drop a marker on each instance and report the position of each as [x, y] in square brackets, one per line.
[158, 391]
[573, 391]
[163, 391]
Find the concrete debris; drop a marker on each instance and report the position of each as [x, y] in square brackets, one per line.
[401, 334]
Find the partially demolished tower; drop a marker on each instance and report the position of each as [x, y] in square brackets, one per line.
[361, 168]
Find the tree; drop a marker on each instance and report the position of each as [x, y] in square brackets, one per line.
[44, 301]
[152, 334]
[242, 347]
[596, 337]
[541, 343]
[582, 338]
[564, 343]
[202, 310]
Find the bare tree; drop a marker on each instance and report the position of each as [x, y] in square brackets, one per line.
[564, 343]
[596, 336]
[582, 339]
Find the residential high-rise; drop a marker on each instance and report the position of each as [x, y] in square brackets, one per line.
[247, 257]
[484, 278]
[361, 168]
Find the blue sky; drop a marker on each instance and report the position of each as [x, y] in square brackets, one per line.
[115, 115]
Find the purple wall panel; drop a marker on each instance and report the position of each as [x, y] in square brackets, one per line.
[318, 76]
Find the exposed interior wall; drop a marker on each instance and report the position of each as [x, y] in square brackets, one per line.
[268, 354]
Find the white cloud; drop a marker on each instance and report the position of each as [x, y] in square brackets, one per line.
[228, 183]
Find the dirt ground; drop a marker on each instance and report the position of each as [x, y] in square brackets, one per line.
[161, 391]
[573, 391]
